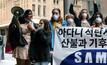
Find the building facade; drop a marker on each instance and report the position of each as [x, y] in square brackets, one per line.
[41, 9]
[78, 5]
[104, 7]
[82, 4]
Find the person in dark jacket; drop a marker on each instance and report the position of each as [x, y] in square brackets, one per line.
[39, 51]
[78, 20]
[19, 37]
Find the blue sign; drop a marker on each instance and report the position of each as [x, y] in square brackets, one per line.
[87, 57]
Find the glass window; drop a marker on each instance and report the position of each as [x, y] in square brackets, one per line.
[33, 0]
[57, 1]
[91, 6]
[44, 1]
[54, 1]
[33, 9]
[44, 10]
[39, 10]
[16, 0]
[39, 0]
[99, 6]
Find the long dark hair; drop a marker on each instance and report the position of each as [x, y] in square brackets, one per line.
[46, 25]
[27, 12]
[59, 19]
[98, 13]
[22, 19]
[80, 15]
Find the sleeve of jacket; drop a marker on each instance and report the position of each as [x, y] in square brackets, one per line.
[64, 23]
[91, 20]
[31, 50]
[95, 8]
[71, 10]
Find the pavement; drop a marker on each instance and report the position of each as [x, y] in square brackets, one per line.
[8, 60]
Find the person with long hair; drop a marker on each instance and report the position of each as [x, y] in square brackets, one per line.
[98, 22]
[39, 51]
[56, 22]
[83, 18]
[19, 37]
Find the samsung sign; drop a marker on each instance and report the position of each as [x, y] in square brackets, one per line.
[86, 57]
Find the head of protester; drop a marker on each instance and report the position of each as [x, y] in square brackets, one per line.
[98, 22]
[41, 23]
[70, 20]
[56, 19]
[83, 17]
[56, 15]
[28, 14]
[83, 14]
[46, 25]
[27, 18]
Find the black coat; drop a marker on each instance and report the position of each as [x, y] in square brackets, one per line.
[39, 50]
[14, 33]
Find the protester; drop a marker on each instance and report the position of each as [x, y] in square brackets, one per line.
[39, 51]
[56, 22]
[19, 37]
[41, 23]
[78, 20]
[70, 20]
[83, 17]
[56, 18]
[98, 20]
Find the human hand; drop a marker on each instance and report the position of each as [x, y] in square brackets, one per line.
[51, 52]
[58, 25]
[29, 26]
[94, 1]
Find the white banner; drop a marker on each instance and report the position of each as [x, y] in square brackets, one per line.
[80, 46]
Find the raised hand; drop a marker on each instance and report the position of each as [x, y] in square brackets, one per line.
[94, 1]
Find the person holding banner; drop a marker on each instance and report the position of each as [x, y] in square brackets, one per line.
[56, 22]
[70, 20]
[41, 23]
[39, 51]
